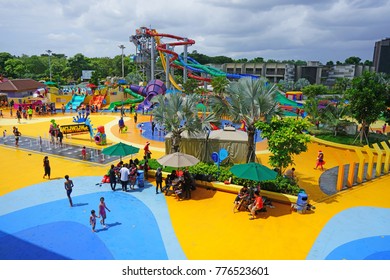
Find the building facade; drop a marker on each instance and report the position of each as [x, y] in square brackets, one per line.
[313, 71]
[382, 56]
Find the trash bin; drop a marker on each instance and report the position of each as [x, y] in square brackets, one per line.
[302, 202]
[140, 178]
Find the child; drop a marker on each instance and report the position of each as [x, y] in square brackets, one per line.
[102, 211]
[84, 153]
[92, 220]
[320, 160]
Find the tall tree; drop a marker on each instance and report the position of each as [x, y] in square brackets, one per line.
[367, 98]
[312, 91]
[334, 115]
[311, 108]
[219, 84]
[177, 113]
[285, 139]
[353, 60]
[247, 100]
[301, 83]
[78, 63]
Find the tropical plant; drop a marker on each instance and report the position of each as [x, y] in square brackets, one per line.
[334, 115]
[367, 98]
[190, 85]
[219, 84]
[312, 111]
[177, 113]
[286, 138]
[312, 91]
[301, 83]
[248, 100]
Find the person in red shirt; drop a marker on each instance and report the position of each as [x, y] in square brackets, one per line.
[147, 151]
[256, 205]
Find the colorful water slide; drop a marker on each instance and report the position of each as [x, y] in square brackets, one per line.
[283, 100]
[97, 100]
[191, 65]
[289, 106]
[162, 50]
[75, 102]
[137, 99]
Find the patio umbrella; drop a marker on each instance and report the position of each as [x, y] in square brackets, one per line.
[253, 171]
[178, 160]
[120, 149]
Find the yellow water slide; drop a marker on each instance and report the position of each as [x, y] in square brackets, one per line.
[163, 62]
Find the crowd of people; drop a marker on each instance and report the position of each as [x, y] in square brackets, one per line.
[126, 174]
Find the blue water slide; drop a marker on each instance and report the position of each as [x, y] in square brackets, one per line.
[75, 102]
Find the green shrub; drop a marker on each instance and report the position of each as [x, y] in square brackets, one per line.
[279, 185]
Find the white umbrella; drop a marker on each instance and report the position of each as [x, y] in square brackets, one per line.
[178, 160]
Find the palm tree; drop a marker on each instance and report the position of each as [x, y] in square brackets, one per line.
[248, 100]
[219, 84]
[333, 116]
[178, 113]
[312, 110]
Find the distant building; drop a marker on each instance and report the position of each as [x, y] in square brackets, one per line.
[313, 71]
[382, 56]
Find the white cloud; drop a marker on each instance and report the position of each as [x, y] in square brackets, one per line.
[279, 29]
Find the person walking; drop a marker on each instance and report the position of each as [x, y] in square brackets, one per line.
[112, 175]
[92, 220]
[17, 136]
[102, 211]
[68, 187]
[159, 180]
[320, 160]
[121, 124]
[153, 127]
[18, 115]
[135, 117]
[46, 167]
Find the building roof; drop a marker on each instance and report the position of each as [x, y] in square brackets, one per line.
[18, 85]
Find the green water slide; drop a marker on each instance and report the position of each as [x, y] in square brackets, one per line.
[137, 99]
[283, 100]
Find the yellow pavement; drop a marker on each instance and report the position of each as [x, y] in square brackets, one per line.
[205, 226]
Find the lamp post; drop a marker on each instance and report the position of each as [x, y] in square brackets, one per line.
[49, 52]
[123, 67]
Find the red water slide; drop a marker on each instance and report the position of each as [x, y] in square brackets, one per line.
[162, 47]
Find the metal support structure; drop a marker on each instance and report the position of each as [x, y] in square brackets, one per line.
[49, 52]
[167, 68]
[152, 58]
[122, 47]
[185, 55]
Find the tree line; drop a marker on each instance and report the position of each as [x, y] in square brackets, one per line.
[65, 69]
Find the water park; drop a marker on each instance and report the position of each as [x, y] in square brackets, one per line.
[335, 212]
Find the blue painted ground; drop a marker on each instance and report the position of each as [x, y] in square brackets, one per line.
[38, 223]
[343, 239]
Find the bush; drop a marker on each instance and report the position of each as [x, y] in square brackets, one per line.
[210, 172]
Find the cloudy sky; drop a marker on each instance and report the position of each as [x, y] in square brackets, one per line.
[320, 30]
